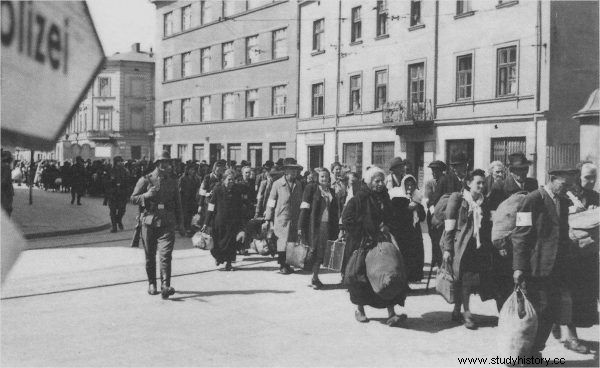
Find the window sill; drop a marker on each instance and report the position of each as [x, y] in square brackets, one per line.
[357, 42]
[465, 14]
[415, 27]
[499, 99]
[105, 97]
[382, 36]
[225, 121]
[317, 52]
[507, 4]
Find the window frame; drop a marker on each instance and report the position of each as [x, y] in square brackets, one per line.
[277, 146]
[250, 49]
[183, 64]
[381, 20]
[181, 147]
[463, 7]
[223, 55]
[351, 108]
[376, 103]
[321, 96]
[274, 96]
[204, 111]
[108, 86]
[255, 103]
[183, 17]
[356, 24]
[234, 147]
[168, 24]
[224, 104]
[275, 42]
[104, 117]
[410, 81]
[186, 108]
[318, 33]
[458, 74]
[360, 154]
[203, 57]
[168, 68]
[514, 63]
[384, 160]
[204, 6]
[167, 113]
[414, 9]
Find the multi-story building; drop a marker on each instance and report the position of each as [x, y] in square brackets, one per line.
[227, 76]
[423, 79]
[116, 117]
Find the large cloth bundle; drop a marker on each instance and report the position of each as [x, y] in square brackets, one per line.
[17, 174]
[505, 220]
[261, 246]
[445, 285]
[356, 269]
[517, 326]
[439, 211]
[584, 228]
[203, 241]
[385, 270]
[334, 254]
[298, 254]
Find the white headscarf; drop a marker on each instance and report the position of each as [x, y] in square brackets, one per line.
[475, 209]
[401, 193]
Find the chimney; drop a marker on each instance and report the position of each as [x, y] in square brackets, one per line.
[135, 47]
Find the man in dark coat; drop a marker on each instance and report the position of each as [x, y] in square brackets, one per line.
[208, 184]
[78, 180]
[189, 185]
[517, 180]
[157, 195]
[437, 170]
[8, 191]
[541, 250]
[453, 180]
[116, 192]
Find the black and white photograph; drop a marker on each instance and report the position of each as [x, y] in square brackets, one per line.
[300, 183]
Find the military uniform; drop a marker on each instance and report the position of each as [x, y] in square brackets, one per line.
[157, 195]
[116, 191]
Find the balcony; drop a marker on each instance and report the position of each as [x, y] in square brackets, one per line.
[403, 113]
[100, 135]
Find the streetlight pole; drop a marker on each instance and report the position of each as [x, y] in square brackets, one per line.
[31, 176]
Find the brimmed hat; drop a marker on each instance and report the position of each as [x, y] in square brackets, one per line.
[117, 159]
[244, 163]
[6, 156]
[397, 161]
[291, 163]
[165, 155]
[564, 170]
[268, 164]
[221, 163]
[518, 160]
[437, 164]
[458, 158]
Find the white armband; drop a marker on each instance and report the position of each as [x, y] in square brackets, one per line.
[211, 207]
[449, 225]
[203, 192]
[524, 219]
[271, 203]
[304, 205]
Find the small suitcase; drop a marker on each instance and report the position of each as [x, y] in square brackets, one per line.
[334, 255]
[298, 255]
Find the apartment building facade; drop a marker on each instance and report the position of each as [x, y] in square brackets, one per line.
[227, 77]
[117, 115]
[424, 79]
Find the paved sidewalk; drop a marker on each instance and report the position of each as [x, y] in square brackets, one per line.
[52, 214]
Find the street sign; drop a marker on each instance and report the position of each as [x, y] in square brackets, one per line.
[50, 55]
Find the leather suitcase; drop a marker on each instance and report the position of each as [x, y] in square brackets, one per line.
[334, 255]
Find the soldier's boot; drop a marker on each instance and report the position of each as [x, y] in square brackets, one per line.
[114, 224]
[166, 289]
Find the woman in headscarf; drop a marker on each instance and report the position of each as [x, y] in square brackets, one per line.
[318, 220]
[408, 213]
[367, 218]
[466, 243]
[228, 229]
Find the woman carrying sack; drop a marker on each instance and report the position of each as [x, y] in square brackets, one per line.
[466, 243]
[224, 205]
[318, 220]
[367, 219]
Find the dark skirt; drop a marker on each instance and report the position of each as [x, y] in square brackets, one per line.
[225, 245]
[584, 289]
[471, 267]
[318, 247]
[411, 247]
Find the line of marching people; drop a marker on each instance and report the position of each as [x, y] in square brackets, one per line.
[379, 218]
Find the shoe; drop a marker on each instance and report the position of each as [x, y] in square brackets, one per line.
[120, 225]
[167, 291]
[396, 320]
[229, 267]
[152, 289]
[79, 203]
[556, 331]
[456, 316]
[360, 317]
[284, 271]
[114, 229]
[289, 269]
[469, 323]
[576, 346]
[316, 284]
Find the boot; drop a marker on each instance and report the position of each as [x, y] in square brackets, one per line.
[165, 288]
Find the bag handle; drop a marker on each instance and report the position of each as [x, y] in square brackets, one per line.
[448, 267]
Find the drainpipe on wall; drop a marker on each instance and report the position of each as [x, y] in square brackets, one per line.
[538, 66]
[337, 85]
[298, 50]
[435, 58]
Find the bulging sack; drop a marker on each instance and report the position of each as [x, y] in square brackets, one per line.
[385, 270]
[202, 240]
[517, 326]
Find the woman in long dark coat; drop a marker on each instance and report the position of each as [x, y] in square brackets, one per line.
[367, 220]
[409, 213]
[228, 226]
[467, 244]
[318, 220]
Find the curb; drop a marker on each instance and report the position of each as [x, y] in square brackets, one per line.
[49, 234]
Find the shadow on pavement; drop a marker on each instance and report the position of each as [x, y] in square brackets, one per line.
[577, 363]
[257, 258]
[201, 294]
[261, 268]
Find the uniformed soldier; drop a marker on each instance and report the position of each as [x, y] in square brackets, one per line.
[157, 195]
[116, 191]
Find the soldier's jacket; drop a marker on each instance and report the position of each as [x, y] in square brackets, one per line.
[116, 184]
[162, 210]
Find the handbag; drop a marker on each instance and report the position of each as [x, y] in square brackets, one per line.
[298, 254]
[445, 283]
[202, 241]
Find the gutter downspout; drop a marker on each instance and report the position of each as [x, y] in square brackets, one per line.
[298, 41]
[435, 58]
[538, 67]
[337, 86]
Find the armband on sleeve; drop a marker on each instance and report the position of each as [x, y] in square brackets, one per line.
[524, 219]
[449, 225]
